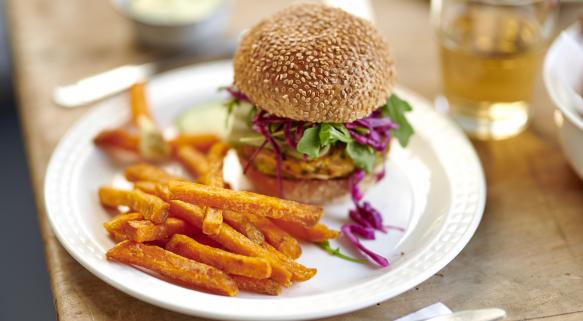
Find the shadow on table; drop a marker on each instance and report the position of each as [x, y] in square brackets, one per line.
[24, 283]
[24, 286]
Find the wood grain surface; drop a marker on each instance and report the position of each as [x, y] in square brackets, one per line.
[526, 257]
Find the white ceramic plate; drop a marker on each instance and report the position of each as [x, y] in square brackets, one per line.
[563, 75]
[435, 189]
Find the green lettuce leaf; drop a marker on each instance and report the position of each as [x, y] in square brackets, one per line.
[309, 144]
[395, 108]
[332, 133]
[363, 156]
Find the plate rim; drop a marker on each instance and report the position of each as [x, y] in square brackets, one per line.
[571, 31]
[420, 277]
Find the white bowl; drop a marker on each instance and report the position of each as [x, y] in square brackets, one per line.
[563, 75]
[179, 35]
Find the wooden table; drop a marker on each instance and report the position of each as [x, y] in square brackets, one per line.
[526, 257]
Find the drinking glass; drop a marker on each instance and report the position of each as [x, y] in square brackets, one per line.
[491, 52]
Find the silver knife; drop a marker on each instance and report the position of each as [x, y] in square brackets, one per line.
[94, 88]
[102, 85]
[472, 315]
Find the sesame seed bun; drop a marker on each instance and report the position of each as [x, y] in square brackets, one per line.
[315, 63]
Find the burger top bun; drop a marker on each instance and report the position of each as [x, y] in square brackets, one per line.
[311, 62]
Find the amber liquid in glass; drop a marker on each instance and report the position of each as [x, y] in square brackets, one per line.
[489, 58]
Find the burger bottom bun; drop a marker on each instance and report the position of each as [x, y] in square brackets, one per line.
[310, 191]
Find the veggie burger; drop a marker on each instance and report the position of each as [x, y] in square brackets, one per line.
[312, 104]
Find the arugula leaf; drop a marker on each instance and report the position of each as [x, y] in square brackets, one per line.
[251, 115]
[331, 133]
[362, 155]
[336, 252]
[327, 134]
[309, 144]
[231, 104]
[395, 108]
[322, 135]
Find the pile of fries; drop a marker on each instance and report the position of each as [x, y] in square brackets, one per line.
[198, 232]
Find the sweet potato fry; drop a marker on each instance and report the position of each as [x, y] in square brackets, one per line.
[217, 153]
[177, 226]
[133, 227]
[299, 272]
[202, 142]
[241, 223]
[193, 161]
[315, 234]
[210, 171]
[230, 263]
[152, 207]
[264, 286]
[214, 175]
[240, 201]
[173, 267]
[213, 219]
[156, 189]
[138, 104]
[118, 139]
[146, 231]
[232, 240]
[152, 145]
[149, 173]
[276, 236]
[115, 226]
[205, 240]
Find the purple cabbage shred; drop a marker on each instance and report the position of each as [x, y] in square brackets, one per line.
[357, 217]
[266, 125]
[353, 181]
[375, 131]
[349, 230]
[237, 94]
[371, 215]
[367, 219]
[366, 233]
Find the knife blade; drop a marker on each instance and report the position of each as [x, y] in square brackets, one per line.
[102, 85]
[105, 84]
[472, 315]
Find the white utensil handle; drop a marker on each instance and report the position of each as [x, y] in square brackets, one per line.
[101, 85]
[472, 315]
